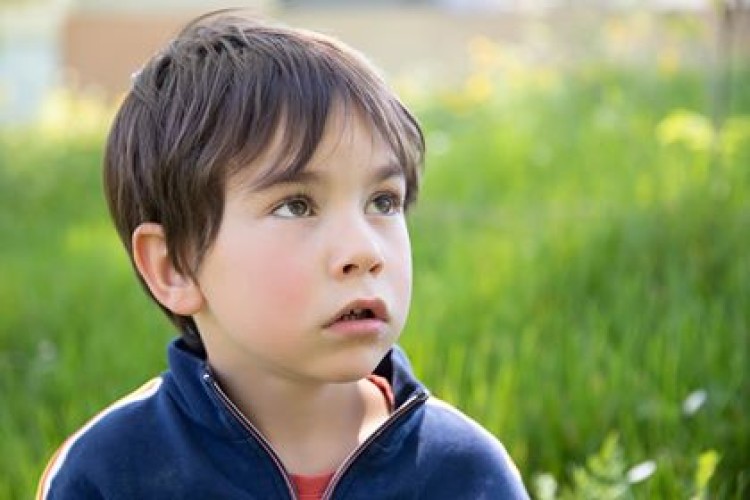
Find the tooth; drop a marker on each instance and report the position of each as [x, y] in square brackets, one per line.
[357, 313]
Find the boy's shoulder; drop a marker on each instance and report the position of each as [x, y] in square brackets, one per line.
[120, 433]
[449, 428]
[119, 422]
[456, 439]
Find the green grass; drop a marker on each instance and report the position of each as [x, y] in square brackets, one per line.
[575, 277]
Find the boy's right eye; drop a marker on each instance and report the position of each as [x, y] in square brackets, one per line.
[294, 207]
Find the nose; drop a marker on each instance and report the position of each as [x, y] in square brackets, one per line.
[356, 250]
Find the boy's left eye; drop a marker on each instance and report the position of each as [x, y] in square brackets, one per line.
[298, 206]
[384, 204]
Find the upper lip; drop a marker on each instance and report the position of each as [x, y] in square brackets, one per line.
[376, 306]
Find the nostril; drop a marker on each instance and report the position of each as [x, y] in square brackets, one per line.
[356, 266]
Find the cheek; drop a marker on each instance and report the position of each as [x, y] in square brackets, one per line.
[402, 272]
[285, 274]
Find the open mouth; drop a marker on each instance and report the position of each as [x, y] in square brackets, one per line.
[362, 310]
[357, 314]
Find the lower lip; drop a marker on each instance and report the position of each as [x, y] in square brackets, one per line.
[358, 328]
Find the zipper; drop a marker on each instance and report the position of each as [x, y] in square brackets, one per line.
[405, 408]
[254, 432]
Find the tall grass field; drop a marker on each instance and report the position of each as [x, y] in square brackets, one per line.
[581, 282]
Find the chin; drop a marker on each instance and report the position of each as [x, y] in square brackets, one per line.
[350, 367]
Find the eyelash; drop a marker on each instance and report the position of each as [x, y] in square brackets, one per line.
[303, 197]
[396, 200]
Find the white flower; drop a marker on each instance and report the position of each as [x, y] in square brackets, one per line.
[545, 486]
[694, 402]
[641, 472]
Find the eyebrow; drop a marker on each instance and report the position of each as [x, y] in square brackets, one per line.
[290, 176]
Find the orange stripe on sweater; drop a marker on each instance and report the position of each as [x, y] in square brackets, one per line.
[57, 459]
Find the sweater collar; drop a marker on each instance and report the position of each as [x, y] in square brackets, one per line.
[189, 375]
[396, 369]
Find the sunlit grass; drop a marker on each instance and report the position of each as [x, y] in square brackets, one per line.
[581, 272]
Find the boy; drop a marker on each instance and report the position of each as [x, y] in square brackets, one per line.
[259, 176]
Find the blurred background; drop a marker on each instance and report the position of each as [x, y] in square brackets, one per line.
[582, 279]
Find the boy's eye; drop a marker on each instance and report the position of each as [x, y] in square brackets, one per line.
[385, 204]
[294, 207]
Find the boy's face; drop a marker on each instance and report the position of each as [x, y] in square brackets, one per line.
[310, 278]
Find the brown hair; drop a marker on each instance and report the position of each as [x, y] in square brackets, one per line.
[210, 103]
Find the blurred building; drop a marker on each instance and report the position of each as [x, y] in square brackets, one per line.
[29, 57]
[95, 45]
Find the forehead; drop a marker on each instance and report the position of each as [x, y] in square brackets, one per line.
[348, 134]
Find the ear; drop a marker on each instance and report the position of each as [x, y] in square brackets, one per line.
[177, 292]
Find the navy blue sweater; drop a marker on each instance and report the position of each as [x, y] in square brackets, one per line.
[179, 436]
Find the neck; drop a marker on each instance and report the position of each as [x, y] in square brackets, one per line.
[313, 427]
